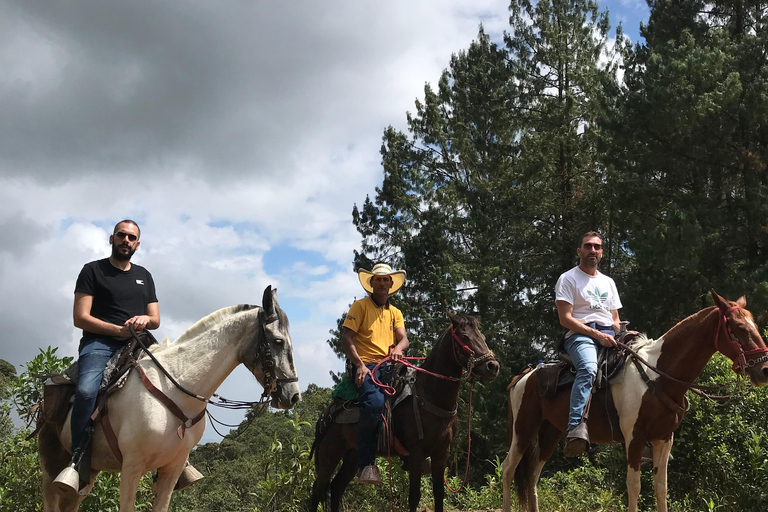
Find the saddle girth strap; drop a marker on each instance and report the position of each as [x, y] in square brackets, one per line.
[186, 422]
[109, 433]
[665, 399]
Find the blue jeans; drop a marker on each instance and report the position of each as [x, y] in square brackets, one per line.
[583, 352]
[92, 360]
[371, 399]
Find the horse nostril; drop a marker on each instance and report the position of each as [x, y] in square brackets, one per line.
[493, 366]
[295, 398]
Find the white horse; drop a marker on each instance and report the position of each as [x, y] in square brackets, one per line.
[148, 434]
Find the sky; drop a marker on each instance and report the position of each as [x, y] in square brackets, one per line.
[238, 134]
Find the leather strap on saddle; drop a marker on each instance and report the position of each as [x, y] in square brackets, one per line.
[186, 422]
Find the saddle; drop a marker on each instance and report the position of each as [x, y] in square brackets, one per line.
[59, 394]
[59, 388]
[345, 409]
[554, 375]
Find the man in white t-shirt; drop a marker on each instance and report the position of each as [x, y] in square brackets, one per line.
[587, 305]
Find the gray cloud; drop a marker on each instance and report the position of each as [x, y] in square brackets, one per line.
[226, 129]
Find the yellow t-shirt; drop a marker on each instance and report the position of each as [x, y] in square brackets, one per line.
[374, 328]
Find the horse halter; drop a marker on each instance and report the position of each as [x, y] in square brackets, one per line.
[740, 363]
[271, 381]
[471, 359]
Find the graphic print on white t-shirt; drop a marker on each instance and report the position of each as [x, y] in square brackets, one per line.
[598, 300]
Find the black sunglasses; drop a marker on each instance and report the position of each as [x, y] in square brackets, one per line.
[129, 236]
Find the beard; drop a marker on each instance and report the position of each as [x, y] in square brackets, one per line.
[121, 256]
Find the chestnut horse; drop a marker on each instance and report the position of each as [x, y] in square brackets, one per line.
[460, 347]
[645, 412]
[148, 434]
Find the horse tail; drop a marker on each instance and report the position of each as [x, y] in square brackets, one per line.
[524, 475]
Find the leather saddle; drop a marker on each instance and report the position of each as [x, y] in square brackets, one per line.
[554, 375]
[344, 410]
[59, 388]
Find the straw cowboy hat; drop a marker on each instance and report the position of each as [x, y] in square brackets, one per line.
[381, 269]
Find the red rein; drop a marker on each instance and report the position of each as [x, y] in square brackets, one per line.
[740, 362]
[390, 391]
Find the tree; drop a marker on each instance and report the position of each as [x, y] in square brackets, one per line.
[690, 147]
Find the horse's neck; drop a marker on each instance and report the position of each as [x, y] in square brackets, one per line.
[689, 345]
[442, 361]
[202, 361]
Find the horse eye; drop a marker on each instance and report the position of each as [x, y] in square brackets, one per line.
[279, 341]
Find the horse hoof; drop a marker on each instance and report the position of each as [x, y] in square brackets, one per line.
[67, 483]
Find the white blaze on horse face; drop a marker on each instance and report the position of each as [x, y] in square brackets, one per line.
[629, 388]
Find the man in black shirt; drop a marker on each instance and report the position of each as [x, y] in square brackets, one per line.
[110, 295]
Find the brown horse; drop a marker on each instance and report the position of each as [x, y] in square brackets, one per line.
[460, 347]
[641, 412]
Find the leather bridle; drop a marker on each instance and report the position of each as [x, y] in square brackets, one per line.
[471, 359]
[271, 381]
[742, 359]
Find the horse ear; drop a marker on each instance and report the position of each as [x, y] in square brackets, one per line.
[719, 301]
[742, 302]
[454, 318]
[267, 301]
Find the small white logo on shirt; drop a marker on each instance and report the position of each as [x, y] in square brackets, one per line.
[140, 281]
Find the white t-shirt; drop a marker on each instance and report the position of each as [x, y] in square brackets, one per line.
[592, 297]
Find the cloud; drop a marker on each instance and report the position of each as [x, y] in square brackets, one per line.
[239, 135]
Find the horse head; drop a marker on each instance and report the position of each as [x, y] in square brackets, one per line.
[739, 339]
[270, 356]
[471, 349]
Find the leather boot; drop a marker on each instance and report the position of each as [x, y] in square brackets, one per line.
[576, 440]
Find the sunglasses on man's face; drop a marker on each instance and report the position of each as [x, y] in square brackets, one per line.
[130, 236]
[597, 247]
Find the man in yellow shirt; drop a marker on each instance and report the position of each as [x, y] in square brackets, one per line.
[372, 330]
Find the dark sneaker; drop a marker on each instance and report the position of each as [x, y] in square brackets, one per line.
[369, 475]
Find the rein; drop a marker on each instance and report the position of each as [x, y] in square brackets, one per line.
[740, 363]
[271, 385]
[471, 361]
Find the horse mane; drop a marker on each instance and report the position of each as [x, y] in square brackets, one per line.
[205, 323]
[463, 321]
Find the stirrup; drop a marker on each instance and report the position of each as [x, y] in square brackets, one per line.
[368, 475]
[189, 476]
[67, 483]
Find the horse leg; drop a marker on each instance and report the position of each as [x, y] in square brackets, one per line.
[415, 461]
[508, 470]
[129, 484]
[167, 476]
[53, 458]
[340, 482]
[633, 451]
[438, 486]
[661, 451]
[549, 437]
[326, 461]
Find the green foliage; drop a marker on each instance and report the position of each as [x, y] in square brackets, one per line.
[20, 476]
[27, 389]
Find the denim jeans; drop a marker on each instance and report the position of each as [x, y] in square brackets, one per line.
[371, 399]
[583, 352]
[92, 360]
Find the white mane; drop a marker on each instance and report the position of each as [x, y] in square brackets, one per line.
[203, 324]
